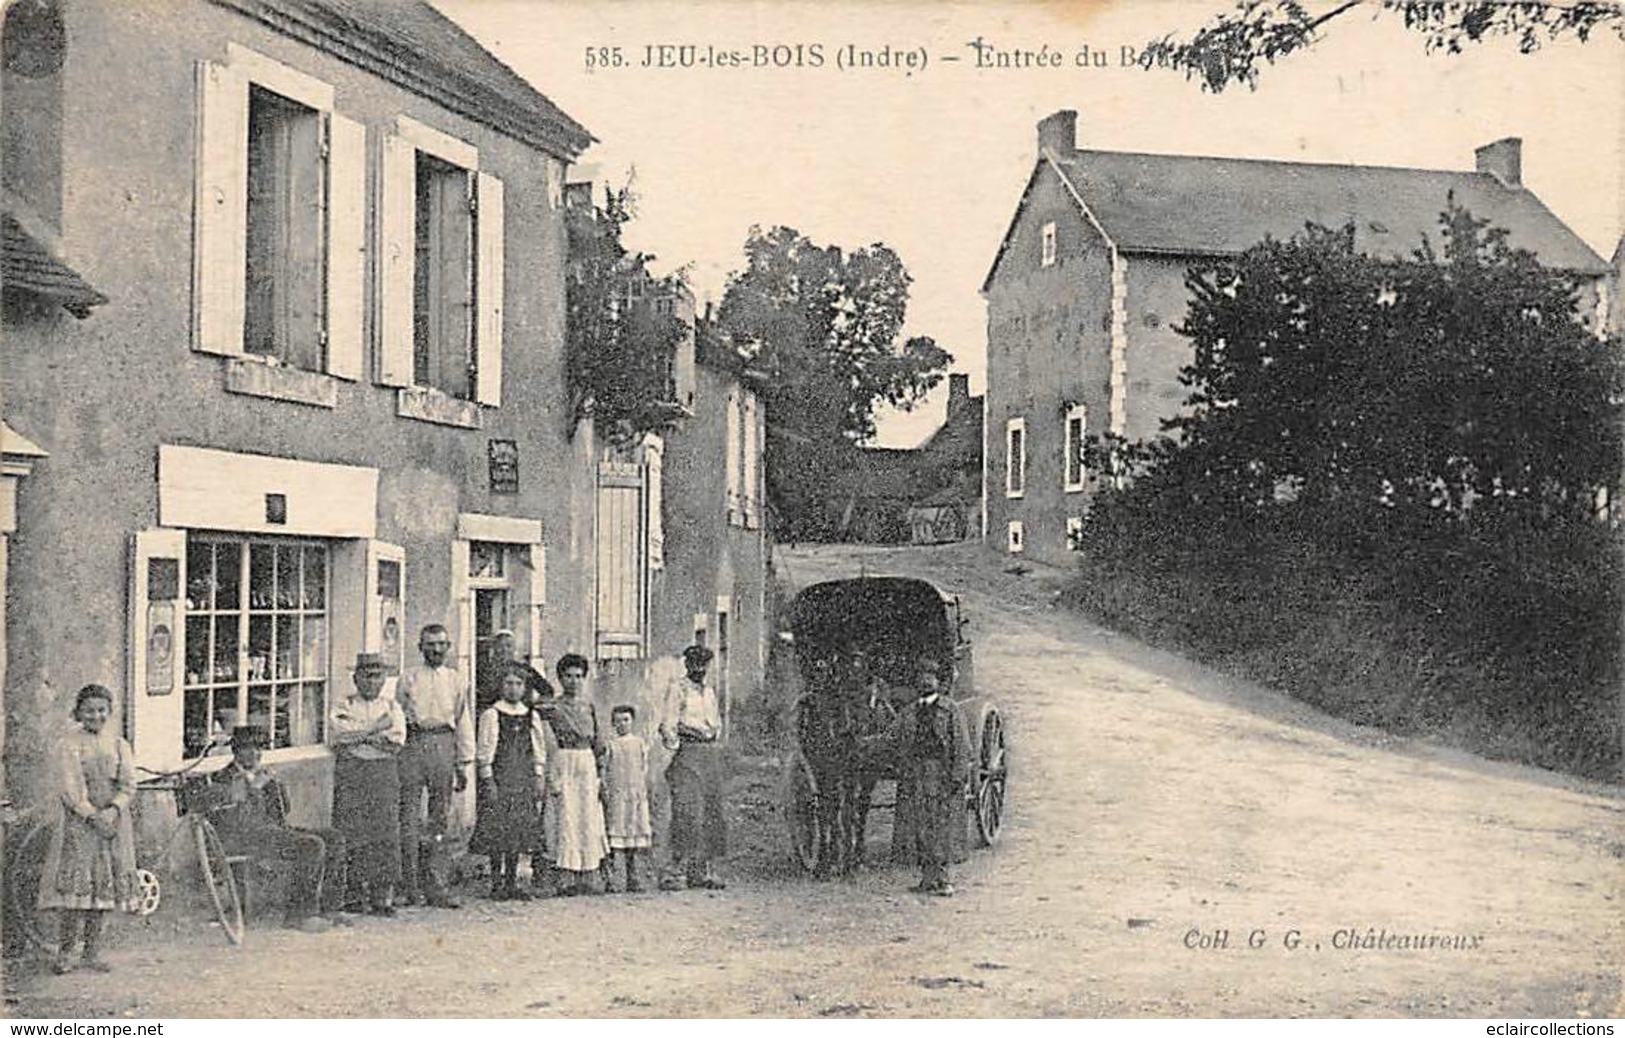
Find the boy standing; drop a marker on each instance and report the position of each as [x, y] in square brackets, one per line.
[936, 750]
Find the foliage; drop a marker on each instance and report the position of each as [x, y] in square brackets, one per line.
[620, 347]
[1408, 451]
[824, 325]
[1232, 47]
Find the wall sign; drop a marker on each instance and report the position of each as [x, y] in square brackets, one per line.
[504, 464]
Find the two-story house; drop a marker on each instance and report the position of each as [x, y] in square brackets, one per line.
[1088, 286]
[284, 325]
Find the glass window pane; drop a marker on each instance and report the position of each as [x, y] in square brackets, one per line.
[228, 575]
[313, 647]
[198, 655]
[259, 706]
[259, 648]
[315, 577]
[287, 577]
[286, 648]
[199, 576]
[195, 725]
[261, 585]
[225, 649]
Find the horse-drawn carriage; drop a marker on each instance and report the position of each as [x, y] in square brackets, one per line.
[858, 645]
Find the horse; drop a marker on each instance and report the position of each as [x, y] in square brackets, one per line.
[844, 727]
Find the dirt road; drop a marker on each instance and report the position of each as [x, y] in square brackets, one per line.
[1164, 821]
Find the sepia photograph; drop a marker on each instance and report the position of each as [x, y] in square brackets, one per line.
[718, 509]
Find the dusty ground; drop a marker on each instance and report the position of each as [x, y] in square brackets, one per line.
[1155, 805]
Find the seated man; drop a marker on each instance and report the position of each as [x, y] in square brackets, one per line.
[249, 808]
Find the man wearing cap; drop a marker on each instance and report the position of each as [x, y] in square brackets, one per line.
[936, 752]
[699, 833]
[439, 750]
[249, 809]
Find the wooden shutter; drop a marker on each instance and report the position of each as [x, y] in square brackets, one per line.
[620, 561]
[461, 623]
[654, 463]
[538, 601]
[731, 450]
[397, 260]
[220, 210]
[155, 704]
[346, 244]
[489, 286]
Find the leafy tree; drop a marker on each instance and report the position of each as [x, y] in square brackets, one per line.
[824, 326]
[1232, 47]
[620, 348]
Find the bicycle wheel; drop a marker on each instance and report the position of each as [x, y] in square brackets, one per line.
[217, 878]
[25, 864]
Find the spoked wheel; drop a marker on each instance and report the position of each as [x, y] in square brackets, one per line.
[218, 880]
[150, 892]
[802, 816]
[992, 770]
[25, 865]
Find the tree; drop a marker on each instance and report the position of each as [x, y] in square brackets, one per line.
[1231, 48]
[619, 347]
[823, 325]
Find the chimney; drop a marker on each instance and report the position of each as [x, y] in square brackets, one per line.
[1059, 133]
[958, 394]
[1502, 160]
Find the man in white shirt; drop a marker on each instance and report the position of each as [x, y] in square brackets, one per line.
[439, 749]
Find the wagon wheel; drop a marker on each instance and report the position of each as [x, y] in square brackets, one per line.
[992, 769]
[801, 813]
[24, 867]
[218, 880]
[150, 892]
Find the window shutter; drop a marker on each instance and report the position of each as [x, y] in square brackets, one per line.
[155, 703]
[749, 464]
[654, 455]
[461, 622]
[731, 449]
[397, 258]
[221, 210]
[346, 244]
[538, 601]
[620, 561]
[488, 332]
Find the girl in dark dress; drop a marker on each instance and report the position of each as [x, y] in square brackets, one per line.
[511, 757]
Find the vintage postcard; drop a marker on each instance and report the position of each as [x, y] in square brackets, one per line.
[546, 509]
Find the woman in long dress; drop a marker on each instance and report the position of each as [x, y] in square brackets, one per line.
[367, 733]
[90, 863]
[575, 812]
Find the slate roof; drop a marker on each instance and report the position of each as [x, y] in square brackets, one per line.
[1186, 205]
[415, 46]
[28, 266]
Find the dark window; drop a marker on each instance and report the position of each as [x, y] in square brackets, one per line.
[443, 311]
[286, 275]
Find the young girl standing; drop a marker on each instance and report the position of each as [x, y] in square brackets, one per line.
[90, 865]
[626, 785]
[510, 756]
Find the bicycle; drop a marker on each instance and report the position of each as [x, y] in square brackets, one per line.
[25, 864]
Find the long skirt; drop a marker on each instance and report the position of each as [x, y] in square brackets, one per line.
[575, 815]
[699, 833]
[367, 811]
[85, 870]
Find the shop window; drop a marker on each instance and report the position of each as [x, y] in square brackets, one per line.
[257, 633]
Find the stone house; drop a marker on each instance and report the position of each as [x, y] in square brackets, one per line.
[1088, 284]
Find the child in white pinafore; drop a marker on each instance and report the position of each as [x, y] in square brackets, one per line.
[626, 794]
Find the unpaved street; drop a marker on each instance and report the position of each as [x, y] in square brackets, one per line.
[1153, 805]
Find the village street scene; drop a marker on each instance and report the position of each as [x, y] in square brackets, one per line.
[673, 514]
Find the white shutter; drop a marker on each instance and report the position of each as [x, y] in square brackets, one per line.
[397, 257]
[488, 331]
[346, 244]
[749, 464]
[620, 561]
[654, 462]
[461, 622]
[219, 261]
[155, 703]
[731, 450]
[538, 602]
[383, 628]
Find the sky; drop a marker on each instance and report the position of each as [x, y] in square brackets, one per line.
[932, 160]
